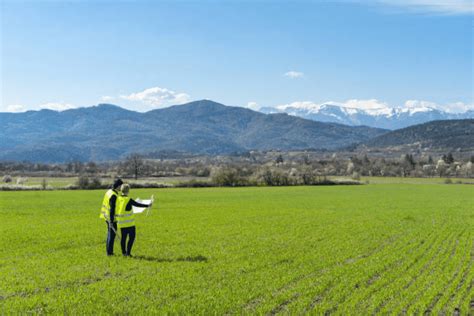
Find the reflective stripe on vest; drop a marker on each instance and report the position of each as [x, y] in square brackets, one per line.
[120, 223]
[124, 218]
[105, 210]
[124, 215]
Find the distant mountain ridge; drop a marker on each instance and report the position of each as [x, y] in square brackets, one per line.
[109, 132]
[436, 135]
[383, 117]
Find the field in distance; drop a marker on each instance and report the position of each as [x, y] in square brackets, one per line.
[383, 248]
[65, 182]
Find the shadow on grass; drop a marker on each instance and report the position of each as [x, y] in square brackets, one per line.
[179, 259]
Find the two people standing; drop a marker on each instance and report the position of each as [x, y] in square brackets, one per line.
[118, 214]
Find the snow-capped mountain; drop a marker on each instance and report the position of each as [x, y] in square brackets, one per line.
[372, 113]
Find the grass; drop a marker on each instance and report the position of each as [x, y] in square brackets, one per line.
[385, 248]
[62, 182]
[409, 180]
[55, 182]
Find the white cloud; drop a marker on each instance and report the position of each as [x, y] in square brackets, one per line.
[455, 107]
[253, 105]
[107, 98]
[294, 74]
[16, 108]
[157, 97]
[432, 6]
[459, 107]
[411, 104]
[371, 104]
[57, 106]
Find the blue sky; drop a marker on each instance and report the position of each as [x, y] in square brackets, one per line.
[145, 55]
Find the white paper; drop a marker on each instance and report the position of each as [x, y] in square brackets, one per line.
[138, 210]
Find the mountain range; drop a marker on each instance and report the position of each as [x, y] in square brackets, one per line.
[432, 136]
[380, 117]
[109, 132]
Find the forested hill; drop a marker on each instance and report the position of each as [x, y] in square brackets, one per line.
[108, 132]
[449, 134]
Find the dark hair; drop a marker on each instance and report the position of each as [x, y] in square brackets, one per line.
[117, 183]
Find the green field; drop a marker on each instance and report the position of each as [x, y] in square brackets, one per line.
[64, 182]
[382, 248]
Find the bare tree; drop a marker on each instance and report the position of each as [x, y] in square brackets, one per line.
[279, 159]
[91, 167]
[135, 163]
[7, 178]
[44, 184]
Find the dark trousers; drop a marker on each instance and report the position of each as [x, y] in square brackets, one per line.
[110, 238]
[127, 246]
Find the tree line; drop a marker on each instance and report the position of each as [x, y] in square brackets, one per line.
[267, 168]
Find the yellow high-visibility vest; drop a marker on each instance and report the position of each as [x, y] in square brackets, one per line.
[105, 210]
[124, 218]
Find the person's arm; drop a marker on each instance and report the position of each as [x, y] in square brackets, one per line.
[137, 204]
[112, 202]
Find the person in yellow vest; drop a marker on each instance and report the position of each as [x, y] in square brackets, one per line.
[126, 219]
[107, 213]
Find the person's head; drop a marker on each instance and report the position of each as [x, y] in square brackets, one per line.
[117, 184]
[125, 188]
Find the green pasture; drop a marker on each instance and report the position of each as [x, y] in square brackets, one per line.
[62, 182]
[408, 180]
[344, 250]
[55, 182]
